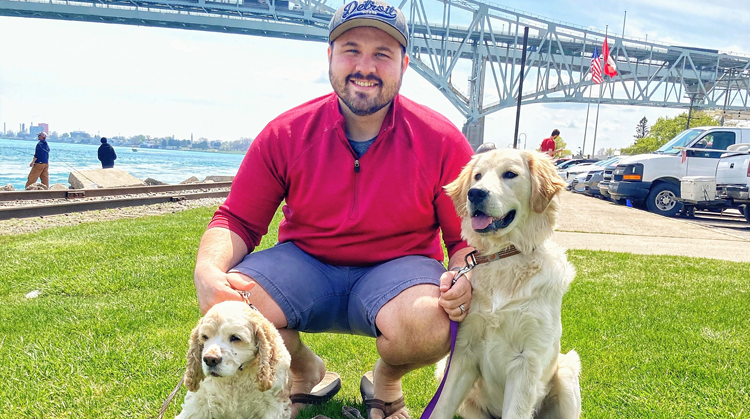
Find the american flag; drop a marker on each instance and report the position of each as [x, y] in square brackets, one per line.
[596, 68]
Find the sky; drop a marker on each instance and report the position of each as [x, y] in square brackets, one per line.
[112, 80]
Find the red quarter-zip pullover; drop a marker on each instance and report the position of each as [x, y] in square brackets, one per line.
[346, 211]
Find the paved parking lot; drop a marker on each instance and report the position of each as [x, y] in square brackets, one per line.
[730, 222]
[589, 223]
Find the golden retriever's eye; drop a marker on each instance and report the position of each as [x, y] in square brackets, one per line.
[235, 338]
[204, 337]
[509, 175]
[477, 176]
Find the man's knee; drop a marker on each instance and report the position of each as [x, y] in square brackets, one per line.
[413, 325]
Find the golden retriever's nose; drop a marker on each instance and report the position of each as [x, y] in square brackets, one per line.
[477, 195]
[212, 360]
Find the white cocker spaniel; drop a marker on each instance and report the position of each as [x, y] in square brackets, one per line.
[237, 367]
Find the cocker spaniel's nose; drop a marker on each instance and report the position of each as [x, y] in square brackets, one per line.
[211, 360]
[476, 195]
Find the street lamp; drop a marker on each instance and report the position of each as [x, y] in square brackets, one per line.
[524, 139]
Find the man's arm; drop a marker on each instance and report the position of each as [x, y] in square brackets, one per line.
[219, 251]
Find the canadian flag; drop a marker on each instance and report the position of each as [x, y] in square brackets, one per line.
[609, 64]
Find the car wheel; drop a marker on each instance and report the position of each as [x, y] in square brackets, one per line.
[746, 212]
[662, 199]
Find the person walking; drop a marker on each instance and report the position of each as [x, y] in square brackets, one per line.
[548, 144]
[361, 173]
[40, 163]
[107, 154]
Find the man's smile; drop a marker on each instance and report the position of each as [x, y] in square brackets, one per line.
[362, 83]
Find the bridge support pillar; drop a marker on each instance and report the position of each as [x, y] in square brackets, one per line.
[474, 132]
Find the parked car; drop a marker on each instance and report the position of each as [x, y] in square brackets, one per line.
[590, 184]
[562, 169]
[572, 172]
[730, 188]
[606, 179]
[733, 174]
[655, 178]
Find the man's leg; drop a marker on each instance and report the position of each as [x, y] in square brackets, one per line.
[295, 291]
[415, 333]
[33, 174]
[307, 368]
[45, 175]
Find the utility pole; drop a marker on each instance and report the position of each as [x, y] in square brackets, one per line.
[520, 84]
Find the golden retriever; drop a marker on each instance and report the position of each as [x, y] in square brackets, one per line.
[237, 367]
[507, 360]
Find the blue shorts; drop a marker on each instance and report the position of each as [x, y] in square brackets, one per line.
[317, 297]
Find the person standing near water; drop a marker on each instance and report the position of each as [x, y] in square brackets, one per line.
[40, 164]
[107, 154]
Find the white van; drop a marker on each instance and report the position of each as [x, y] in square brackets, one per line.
[655, 178]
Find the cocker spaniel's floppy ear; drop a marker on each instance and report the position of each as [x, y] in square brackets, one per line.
[458, 190]
[545, 182]
[268, 350]
[194, 370]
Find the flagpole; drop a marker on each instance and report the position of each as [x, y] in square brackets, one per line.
[586, 130]
[598, 102]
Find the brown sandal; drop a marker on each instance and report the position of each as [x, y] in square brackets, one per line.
[322, 392]
[367, 390]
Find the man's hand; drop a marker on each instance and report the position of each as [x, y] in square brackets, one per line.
[454, 298]
[215, 287]
[219, 251]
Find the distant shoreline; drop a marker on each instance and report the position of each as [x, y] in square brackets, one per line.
[208, 150]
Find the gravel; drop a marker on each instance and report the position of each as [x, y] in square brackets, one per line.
[26, 225]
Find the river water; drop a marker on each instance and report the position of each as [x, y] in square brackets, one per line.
[170, 166]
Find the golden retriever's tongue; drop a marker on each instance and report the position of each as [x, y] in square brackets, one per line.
[480, 222]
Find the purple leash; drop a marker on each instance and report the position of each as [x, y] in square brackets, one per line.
[430, 407]
[470, 264]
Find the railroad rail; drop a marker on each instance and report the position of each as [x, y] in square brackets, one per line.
[78, 200]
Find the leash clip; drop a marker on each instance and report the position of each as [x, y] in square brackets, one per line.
[471, 262]
[246, 296]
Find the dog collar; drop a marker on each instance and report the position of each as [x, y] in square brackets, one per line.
[473, 260]
[507, 252]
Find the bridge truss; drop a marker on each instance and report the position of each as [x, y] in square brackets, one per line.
[455, 41]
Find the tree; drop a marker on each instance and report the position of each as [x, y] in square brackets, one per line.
[667, 128]
[642, 129]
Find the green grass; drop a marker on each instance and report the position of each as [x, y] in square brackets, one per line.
[659, 337]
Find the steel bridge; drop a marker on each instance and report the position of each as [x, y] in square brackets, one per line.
[463, 40]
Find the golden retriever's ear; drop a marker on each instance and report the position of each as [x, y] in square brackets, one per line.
[545, 182]
[268, 353]
[194, 371]
[458, 190]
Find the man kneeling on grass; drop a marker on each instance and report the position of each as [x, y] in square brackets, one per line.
[362, 172]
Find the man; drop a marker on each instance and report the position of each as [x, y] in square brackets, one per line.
[40, 163]
[361, 172]
[548, 144]
[107, 154]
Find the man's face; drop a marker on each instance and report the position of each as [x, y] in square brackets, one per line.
[39, 137]
[366, 67]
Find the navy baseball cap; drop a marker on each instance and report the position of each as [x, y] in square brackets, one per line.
[374, 13]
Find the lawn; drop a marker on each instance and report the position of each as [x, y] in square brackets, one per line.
[659, 337]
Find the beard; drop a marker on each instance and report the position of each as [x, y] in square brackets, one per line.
[362, 104]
